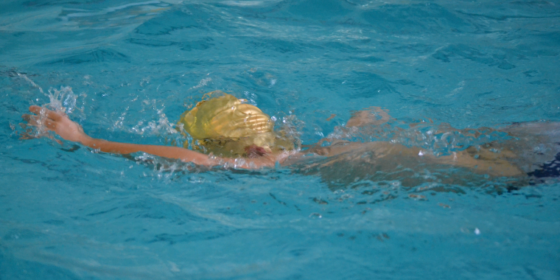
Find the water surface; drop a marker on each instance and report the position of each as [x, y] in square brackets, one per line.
[132, 67]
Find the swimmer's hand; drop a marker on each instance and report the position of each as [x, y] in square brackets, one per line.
[57, 122]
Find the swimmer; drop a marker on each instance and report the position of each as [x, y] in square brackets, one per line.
[228, 132]
[224, 130]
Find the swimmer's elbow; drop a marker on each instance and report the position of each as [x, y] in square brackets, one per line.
[186, 155]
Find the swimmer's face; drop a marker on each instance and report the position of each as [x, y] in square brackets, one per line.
[255, 151]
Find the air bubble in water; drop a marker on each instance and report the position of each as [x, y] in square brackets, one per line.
[315, 216]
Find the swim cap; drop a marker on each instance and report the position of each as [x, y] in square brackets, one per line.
[225, 126]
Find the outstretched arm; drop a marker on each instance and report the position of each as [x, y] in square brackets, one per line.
[71, 131]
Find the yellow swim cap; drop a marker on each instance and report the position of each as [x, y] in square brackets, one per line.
[225, 126]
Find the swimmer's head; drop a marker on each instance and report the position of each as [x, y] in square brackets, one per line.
[225, 126]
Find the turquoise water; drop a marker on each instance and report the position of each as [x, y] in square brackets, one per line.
[126, 70]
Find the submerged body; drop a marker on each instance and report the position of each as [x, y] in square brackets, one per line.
[227, 132]
[524, 152]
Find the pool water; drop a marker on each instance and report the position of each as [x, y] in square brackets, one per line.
[126, 70]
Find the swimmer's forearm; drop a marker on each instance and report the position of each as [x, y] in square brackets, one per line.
[182, 154]
[162, 151]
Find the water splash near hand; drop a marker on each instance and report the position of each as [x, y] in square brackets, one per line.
[62, 100]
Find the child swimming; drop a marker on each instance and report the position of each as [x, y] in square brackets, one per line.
[228, 132]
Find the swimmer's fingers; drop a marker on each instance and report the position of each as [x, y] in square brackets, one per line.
[37, 122]
[50, 114]
[26, 117]
[28, 133]
[57, 122]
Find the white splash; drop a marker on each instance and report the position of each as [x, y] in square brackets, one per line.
[62, 100]
[160, 126]
[30, 81]
[202, 83]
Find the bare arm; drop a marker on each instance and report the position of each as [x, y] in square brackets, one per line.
[71, 131]
[372, 116]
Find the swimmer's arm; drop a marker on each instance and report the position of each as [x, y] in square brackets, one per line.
[71, 131]
[182, 154]
[370, 116]
[161, 151]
